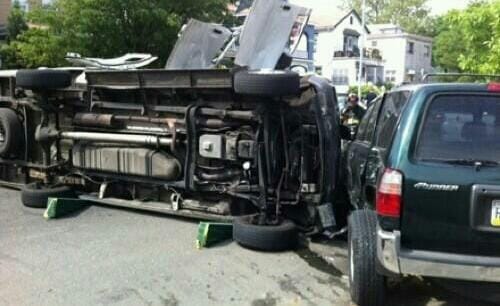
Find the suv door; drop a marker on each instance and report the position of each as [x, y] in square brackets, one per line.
[385, 125]
[358, 152]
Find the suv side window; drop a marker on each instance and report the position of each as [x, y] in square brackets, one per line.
[389, 116]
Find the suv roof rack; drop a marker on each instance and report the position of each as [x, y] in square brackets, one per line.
[427, 77]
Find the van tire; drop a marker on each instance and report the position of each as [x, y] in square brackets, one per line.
[274, 83]
[12, 132]
[270, 238]
[36, 195]
[367, 287]
[43, 79]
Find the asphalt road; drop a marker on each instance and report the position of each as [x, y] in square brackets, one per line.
[104, 256]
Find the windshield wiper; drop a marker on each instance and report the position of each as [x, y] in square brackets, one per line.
[469, 162]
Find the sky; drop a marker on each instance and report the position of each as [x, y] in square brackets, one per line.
[437, 6]
[442, 6]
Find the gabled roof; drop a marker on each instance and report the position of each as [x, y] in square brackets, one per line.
[327, 18]
[331, 21]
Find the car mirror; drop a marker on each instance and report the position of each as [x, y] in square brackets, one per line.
[346, 133]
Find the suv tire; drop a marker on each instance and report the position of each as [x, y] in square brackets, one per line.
[43, 79]
[11, 133]
[272, 238]
[36, 195]
[272, 83]
[366, 285]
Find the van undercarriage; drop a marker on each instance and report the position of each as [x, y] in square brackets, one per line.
[185, 143]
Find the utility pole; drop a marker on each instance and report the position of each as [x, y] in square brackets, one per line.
[362, 47]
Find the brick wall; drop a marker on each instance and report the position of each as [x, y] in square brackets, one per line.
[4, 11]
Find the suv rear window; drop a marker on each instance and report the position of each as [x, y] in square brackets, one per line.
[461, 127]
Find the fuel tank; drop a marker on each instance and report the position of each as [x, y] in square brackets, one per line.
[126, 161]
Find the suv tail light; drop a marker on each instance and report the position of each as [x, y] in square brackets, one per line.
[389, 194]
[494, 87]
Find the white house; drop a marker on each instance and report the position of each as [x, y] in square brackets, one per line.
[407, 56]
[339, 36]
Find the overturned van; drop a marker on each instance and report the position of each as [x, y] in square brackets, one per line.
[254, 144]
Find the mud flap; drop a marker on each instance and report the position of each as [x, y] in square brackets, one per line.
[326, 216]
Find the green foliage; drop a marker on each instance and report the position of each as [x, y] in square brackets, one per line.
[109, 28]
[8, 57]
[447, 48]
[366, 89]
[16, 22]
[470, 40]
[412, 15]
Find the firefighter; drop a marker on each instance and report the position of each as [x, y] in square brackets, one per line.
[353, 113]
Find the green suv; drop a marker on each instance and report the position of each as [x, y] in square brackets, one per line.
[423, 174]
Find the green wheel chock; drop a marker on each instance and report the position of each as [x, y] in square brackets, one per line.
[59, 207]
[210, 233]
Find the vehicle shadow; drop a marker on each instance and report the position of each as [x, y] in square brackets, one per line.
[408, 291]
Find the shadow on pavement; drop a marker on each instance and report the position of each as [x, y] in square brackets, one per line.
[331, 257]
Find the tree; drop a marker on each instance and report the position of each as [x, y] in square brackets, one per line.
[16, 22]
[109, 28]
[412, 15]
[374, 8]
[470, 40]
[16, 25]
[446, 51]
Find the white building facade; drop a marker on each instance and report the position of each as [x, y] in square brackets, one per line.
[337, 56]
[407, 56]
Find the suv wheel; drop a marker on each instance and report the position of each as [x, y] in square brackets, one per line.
[36, 195]
[11, 133]
[281, 237]
[267, 83]
[366, 285]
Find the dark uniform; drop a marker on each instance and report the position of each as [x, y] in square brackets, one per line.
[352, 115]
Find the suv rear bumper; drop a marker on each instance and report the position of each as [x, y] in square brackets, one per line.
[395, 260]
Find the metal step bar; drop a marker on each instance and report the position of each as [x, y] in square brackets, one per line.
[156, 207]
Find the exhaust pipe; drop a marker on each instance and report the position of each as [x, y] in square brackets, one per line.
[119, 138]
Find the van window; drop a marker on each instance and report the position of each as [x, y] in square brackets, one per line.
[461, 127]
[389, 116]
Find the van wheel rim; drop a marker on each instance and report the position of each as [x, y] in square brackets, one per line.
[2, 134]
[351, 262]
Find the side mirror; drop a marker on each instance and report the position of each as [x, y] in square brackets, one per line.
[346, 133]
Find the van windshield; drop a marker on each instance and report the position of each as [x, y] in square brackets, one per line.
[461, 129]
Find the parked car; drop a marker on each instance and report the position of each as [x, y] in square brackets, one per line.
[423, 175]
[252, 144]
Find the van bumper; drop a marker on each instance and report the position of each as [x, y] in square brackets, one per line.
[395, 260]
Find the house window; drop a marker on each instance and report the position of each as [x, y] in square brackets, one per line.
[390, 76]
[340, 77]
[411, 47]
[352, 20]
[427, 51]
[374, 43]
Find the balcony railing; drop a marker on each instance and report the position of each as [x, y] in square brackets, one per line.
[367, 53]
